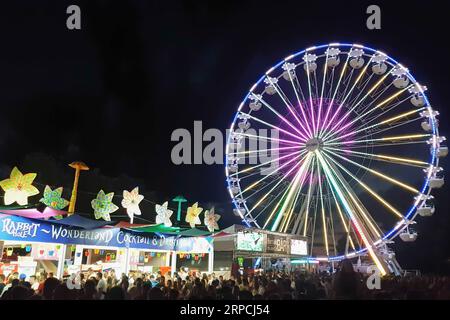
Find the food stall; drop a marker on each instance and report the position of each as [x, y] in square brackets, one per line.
[23, 251]
[149, 261]
[77, 244]
[242, 249]
[194, 254]
[72, 248]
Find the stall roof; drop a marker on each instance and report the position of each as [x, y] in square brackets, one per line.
[16, 206]
[222, 234]
[161, 228]
[34, 213]
[76, 220]
[127, 225]
[194, 233]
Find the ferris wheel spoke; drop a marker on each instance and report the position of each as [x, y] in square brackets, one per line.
[296, 183]
[316, 86]
[262, 171]
[375, 97]
[253, 185]
[341, 216]
[325, 68]
[308, 199]
[331, 220]
[361, 74]
[266, 163]
[253, 158]
[261, 189]
[287, 219]
[361, 90]
[384, 110]
[260, 99]
[261, 150]
[279, 195]
[313, 227]
[275, 208]
[334, 96]
[287, 103]
[310, 98]
[269, 171]
[372, 142]
[362, 220]
[388, 122]
[384, 144]
[378, 174]
[296, 91]
[381, 157]
[255, 137]
[351, 108]
[322, 211]
[274, 187]
[361, 213]
[302, 137]
[361, 116]
[367, 242]
[367, 188]
[382, 130]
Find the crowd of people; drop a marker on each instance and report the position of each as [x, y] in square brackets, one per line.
[270, 285]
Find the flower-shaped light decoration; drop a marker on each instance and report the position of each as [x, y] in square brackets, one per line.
[18, 187]
[211, 220]
[193, 215]
[163, 214]
[130, 202]
[103, 205]
[53, 199]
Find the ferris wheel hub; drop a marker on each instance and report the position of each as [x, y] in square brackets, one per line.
[314, 144]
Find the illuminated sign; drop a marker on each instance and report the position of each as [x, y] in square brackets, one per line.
[277, 244]
[250, 241]
[299, 247]
[16, 228]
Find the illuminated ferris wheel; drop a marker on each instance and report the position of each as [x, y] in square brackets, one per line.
[338, 143]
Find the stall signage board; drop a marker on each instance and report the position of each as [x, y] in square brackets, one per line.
[299, 247]
[250, 241]
[16, 228]
[277, 244]
[194, 245]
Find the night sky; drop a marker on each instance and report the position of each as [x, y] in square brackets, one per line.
[111, 93]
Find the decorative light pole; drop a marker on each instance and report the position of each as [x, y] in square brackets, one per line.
[180, 200]
[78, 166]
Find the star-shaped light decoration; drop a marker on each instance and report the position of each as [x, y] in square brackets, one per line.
[18, 187]
[163, 214]
[103, 205]
[211, 219]
[193, 215]
[130, 202]
[53, 199]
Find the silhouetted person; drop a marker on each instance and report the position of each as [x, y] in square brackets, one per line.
[90, 290]
[50, 285]
[62, 292]
[115, 293]
[346, 282]
[18, 293]
[155, 294]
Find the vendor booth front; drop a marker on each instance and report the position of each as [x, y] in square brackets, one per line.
[34, 244]
[76, 244]
[194, 255]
